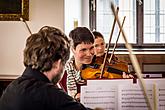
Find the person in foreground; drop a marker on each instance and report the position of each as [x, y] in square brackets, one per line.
[45, 55]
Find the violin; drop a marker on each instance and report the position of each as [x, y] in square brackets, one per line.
[101, 68]
[112, 70]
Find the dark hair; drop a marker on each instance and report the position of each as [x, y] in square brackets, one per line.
[97, 34]
[81, 35]
[45, 47]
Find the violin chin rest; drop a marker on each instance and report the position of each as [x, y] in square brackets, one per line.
[93, 66]
[84, 66]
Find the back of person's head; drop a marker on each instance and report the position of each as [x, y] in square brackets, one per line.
[45, 47]
[97, 34]
[81, 35]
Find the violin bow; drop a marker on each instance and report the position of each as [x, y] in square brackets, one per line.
[115, 45]
[21, 19]
[103, 65]
[133, 60]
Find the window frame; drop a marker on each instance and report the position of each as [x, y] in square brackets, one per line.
[139, 28]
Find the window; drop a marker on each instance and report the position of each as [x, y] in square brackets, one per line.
[154, 21]
[144, 25]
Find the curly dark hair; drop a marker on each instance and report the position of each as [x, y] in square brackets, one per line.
[98, 35]
[45, 47]
[81, 35]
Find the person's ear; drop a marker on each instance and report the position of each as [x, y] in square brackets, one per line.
[58, 63]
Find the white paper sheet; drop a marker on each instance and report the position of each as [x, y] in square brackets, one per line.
[160, 97]
[131, 97]
[101, 96]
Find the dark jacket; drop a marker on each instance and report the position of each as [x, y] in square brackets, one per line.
[33, 91]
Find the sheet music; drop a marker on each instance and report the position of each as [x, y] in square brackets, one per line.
[123, 94]
[160, 97]
[131, 97]
[101, 96]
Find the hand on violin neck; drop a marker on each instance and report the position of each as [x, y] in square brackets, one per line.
[125, 75]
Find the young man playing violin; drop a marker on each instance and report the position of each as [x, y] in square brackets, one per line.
[99, 44]
[99, 49]
[82, 41]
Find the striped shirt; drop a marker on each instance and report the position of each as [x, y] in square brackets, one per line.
[73, 77]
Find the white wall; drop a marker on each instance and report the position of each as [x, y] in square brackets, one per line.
[76, 10]
[14, 33]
